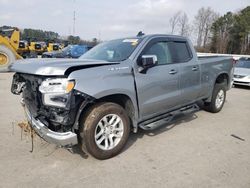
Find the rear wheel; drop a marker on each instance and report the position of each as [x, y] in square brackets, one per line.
[218, 98]
[7, 57]
[105, 130]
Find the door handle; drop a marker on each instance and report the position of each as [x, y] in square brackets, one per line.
[194, 68]
[172, 71]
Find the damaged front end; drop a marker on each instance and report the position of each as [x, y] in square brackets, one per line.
[52, 106]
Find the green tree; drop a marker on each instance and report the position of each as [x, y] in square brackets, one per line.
[221, 30]
[74, 39]
[39, 35]
[231, 33]
[241, 32]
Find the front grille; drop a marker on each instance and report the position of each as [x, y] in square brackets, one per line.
[31, 94]
[238, 76]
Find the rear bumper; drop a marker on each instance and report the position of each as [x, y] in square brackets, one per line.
[60, 139]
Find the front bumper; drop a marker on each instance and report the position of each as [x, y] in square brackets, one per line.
[59, 138]
[243, 82]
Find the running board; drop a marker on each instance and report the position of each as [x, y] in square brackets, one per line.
[168, 117]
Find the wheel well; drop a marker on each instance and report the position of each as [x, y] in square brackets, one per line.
[120, 99]
[222, 78]
[124, 101]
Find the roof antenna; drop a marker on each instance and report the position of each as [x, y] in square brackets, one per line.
[140, 34]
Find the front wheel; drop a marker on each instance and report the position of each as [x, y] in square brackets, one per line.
[105, 130]
[218, 99]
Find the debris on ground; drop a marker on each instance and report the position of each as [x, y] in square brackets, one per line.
[242, 139]
[28, 131]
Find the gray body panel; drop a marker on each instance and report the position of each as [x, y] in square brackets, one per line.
[107, 80]
[190, 79]
[153, 93]
[157, 90]
[211, 68]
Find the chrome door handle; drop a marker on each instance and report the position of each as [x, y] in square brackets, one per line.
[172, 72]
[194, 68]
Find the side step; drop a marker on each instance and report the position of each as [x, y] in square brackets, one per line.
[168, 117]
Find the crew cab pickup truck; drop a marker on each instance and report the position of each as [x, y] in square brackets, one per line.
[117, 87]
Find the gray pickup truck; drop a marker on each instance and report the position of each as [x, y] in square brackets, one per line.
[118, 86]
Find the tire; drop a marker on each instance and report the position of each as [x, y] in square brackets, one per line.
[218, 99]
[94, 131]
[7, 57]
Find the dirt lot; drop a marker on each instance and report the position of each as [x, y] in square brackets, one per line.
[195, 151]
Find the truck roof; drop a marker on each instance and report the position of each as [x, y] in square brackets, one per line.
[158, 35]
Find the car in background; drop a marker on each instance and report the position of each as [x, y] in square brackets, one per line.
[71, 51]
[242, 72]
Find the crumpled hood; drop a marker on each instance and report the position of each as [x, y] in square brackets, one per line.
[241, 71]
[53, 67]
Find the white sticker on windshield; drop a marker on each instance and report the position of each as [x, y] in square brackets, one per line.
[130, 40]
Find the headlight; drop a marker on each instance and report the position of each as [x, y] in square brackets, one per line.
[56, 92]
[58, 85]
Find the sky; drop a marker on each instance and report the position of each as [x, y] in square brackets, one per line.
[105, 19]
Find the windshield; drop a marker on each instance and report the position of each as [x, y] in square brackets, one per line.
[112, 51]
[243, 64]
[66, 49]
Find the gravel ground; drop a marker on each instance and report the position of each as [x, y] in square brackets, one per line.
[194, 151]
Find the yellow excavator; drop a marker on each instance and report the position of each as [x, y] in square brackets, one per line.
[9, 43]
[23, 49]
[53, 47]
[38, 47]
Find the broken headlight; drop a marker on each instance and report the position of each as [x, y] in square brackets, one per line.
[56, 91]
[58, 85]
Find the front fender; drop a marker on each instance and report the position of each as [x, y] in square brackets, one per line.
[103, 81]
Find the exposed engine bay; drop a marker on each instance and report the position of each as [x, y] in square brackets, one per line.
[51, 100]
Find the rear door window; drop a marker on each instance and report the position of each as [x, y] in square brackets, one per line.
[180, 51]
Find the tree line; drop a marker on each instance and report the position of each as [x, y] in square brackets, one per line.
[37, 35]
[211, 32]
[50, 36]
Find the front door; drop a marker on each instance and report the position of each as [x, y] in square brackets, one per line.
[158, 89]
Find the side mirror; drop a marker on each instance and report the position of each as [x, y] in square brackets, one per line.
[147, 61]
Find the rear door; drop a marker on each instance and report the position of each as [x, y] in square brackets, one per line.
[189, 70]
[158, 89]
